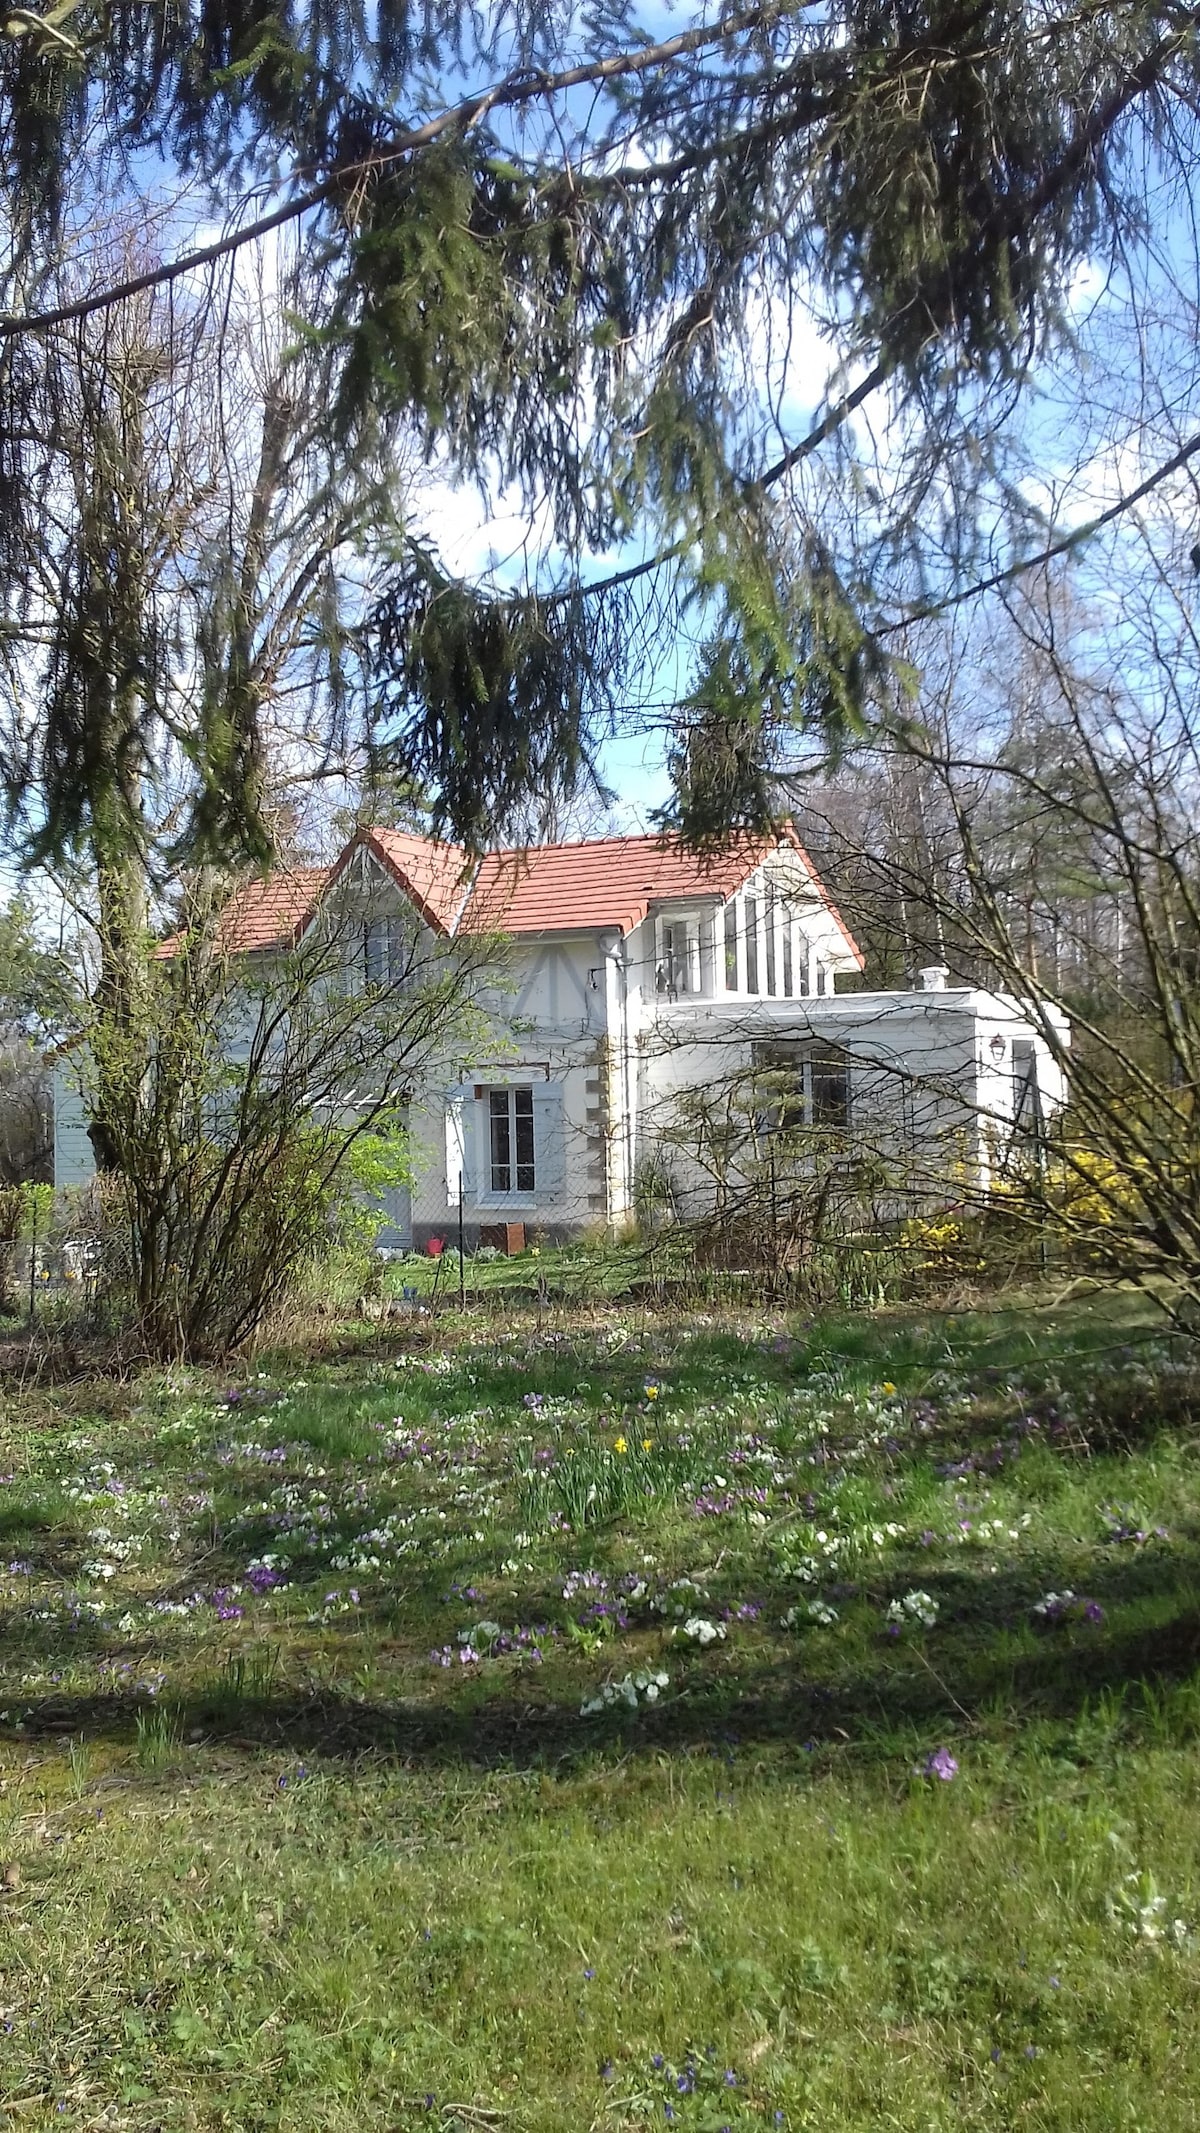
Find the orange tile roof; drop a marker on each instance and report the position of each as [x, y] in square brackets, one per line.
[602, 882]
[271, 909]
[599, 883]
[264, 911]
[614, 881]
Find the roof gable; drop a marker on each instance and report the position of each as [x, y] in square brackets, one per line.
[596, 885]
[435, 877]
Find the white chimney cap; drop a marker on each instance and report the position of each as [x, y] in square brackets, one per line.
[933, 977]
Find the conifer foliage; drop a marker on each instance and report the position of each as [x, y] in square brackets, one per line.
[535, 245]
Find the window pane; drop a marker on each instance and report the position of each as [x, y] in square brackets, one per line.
[676, 974]
[752, 944]
[731, 947]
[830, 1090]
[501, 1141]
[787, 958]
[781, 1068]
[523, 1114]
[679, 965]
[510, 1126]
[1025, 1089]
[662, 970]
[770, 956]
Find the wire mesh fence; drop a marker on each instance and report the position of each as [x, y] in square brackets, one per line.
[818, 1223]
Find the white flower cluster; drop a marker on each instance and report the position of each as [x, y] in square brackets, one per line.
[637, 1687]
[830, 1550]
[94, 1486]
[481, 1635]
[818, 1611]
[880, 1535]
[700, 1630]
[995, 1529]
[678, 1599]
[914, 1607]
[1137, 1907]
[109, 1544]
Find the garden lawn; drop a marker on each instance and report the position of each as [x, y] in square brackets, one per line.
[616, 1725]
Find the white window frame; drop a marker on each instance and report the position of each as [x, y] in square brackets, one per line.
[394, 946]
[730, 946]
[667, 982]
[800, 1058]
[515, 1116]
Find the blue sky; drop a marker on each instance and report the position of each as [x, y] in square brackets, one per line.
[1080, 456]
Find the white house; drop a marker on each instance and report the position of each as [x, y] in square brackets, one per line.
[634, 979]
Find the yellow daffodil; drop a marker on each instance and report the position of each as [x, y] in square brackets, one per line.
[652, 1392]
[889, 1388]
[646, 1444]
[620, 1445]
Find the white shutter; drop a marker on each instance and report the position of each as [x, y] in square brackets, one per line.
[462, 1144]
[549, 1143]
[394, 1206]
[74, 1157]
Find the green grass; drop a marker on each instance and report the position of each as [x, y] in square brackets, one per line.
[281, 1858]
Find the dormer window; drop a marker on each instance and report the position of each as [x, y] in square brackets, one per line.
[677, 971]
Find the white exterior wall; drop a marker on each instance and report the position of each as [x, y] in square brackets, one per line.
[578, 1018]
[552, 1016]
[927, 1092]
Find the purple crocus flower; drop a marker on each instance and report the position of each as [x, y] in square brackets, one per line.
[940, 1764]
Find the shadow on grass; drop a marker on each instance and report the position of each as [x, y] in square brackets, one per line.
[989, 1666]
[983, 1664]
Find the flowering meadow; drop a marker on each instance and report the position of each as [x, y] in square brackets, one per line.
[609, 1723]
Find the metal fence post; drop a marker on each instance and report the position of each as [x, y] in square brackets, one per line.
[775, 1270]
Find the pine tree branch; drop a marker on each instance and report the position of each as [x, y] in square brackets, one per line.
[515, 91]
